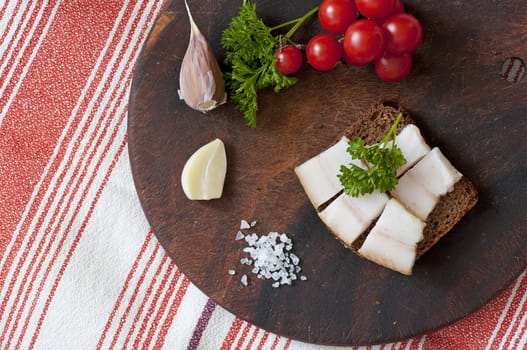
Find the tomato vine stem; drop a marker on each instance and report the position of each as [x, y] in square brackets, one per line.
[295, 22]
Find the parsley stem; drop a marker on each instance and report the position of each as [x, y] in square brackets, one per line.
[297, 23]
[393, 130]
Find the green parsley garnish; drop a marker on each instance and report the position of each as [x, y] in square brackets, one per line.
[250, 48]
[382, 162]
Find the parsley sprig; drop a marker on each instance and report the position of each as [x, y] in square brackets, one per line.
[381, 160]
[250, 47]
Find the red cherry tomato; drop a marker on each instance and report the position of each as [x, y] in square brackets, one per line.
[363, 41]
[323, 52]
[375, 9]
[288, 59]
[348, 60]
[398, 7]
[351, 62]
[403, 33]
[336, 15]
[392, 67]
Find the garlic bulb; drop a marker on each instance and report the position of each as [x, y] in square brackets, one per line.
[201, 83]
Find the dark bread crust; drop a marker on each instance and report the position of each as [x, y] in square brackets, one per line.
[447, 213]
[372, 126]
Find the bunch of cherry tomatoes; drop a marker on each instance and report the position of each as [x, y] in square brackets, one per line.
[370, 31]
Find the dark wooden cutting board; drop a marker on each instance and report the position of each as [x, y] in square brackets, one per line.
[458, 98]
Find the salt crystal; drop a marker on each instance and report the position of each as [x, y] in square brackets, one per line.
[243, 280]
[245, 261]
[232, 272]
[294, 259]
[270, 255]
[251, 239]
[303, 278]
[262, 239]
[244, 225]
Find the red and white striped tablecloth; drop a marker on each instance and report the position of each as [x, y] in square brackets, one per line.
[80, 268]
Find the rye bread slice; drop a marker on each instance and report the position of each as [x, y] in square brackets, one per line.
[372, 126]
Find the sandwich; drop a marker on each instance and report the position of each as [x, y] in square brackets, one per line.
[394, 228]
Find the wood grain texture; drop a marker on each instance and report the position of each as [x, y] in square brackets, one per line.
[457, 97]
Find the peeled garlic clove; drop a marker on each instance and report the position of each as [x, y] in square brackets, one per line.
[201, 83]
[204, 172]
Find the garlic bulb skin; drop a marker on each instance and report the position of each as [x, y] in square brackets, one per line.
[201, 83]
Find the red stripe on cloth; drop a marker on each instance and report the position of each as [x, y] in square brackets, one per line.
[125, 287]
[145, 298]
[287, 344]
[47, 252]
[243, 336]
[75, 243]
[27, 146]
[54, 235]
[174, 307]
[108, 121]
[521, 331]
[162, 307]
[513, 316]
[143, 330]
[131, 300]
[14, 138]
[134, 295]
[232, 334]
[30, 141]
[12, 16]
[25, 37]
[70, 159]
[263, 340]
[478, 327]
[3, 8]
[253, 338]
[275, 342]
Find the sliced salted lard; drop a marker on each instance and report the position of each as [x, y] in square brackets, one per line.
[415, 197]
[397, 222]
[348, 217]
[420, 188]
[388, 252]
[412, 145]
[436, 173]
[318, 175]
[392, 241]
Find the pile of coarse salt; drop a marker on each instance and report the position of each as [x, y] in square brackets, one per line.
[270, 255]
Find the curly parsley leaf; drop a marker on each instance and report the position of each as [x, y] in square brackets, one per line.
[250, 50]
[382, 160]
